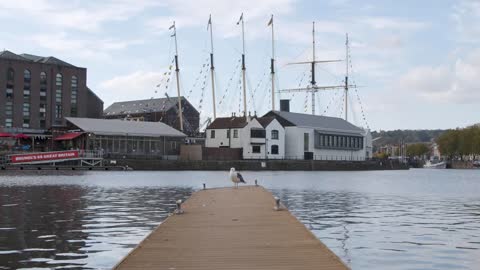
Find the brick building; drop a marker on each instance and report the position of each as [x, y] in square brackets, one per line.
[37, 93]
[156, 110]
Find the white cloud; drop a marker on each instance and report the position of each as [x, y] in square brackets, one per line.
[466, 15]
[390, 23]
[137, 85]
[455, 82]
[225, 14]
[70, 15]
[62, 43]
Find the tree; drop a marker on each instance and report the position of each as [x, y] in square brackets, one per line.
[417, 150]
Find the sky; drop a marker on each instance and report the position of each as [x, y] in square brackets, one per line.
[414, 63]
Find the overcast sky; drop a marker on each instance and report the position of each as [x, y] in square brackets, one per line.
[416, 62]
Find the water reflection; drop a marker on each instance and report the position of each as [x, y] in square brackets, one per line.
[77, 226]
[376, 232]
[418, 219]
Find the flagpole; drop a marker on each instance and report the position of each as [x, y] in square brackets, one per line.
[272, 66]
[314, 83]
[177, 72]
[346, 77]
[212, 67]
[244, 70]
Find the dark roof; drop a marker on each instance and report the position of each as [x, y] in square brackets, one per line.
[117, 127]
[265, 121]
[142, 106]
[11, 56]
[237, 122]
[34, 58]
[228, 122]
[324, 123]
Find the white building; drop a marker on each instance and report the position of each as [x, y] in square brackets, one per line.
[322, 138]
[259, 138]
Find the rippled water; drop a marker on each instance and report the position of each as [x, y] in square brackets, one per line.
[417, 219]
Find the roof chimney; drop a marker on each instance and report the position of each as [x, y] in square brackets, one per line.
[285, 105]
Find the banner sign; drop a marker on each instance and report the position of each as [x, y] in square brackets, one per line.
[47, 156]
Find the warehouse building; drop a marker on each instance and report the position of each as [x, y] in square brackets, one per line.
[118, 138]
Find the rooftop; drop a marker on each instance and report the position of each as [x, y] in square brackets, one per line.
[324, 123]
[237, 122]
[141, 106]
[122, 128]
[34, 58]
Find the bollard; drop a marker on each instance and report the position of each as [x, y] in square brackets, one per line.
[179, 207]
[256, 183]
[277, 204]
[204, 186]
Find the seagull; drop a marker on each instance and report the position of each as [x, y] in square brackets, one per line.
[236, 177]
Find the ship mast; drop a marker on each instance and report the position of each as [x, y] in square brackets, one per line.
[177, 73]
[244, 69]
[313, 88]
[272, 65]
[212, 67]
[347, 60]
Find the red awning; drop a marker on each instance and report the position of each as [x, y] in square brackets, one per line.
[5, 135]
[68, 136]
[21, 136]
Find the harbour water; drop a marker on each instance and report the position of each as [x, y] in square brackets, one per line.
[417, 219]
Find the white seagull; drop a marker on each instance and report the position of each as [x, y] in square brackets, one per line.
[236, 177]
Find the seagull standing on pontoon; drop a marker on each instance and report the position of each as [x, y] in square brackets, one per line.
[236, 177]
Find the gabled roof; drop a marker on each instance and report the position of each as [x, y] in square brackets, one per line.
[12, 56]
[237, 122]
[122, 128]
[142, 106]
[34, 58]
[228, 122]
[265, 121]
[323, 123]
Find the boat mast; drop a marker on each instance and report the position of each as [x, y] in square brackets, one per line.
[243, 67]
[272, 65]
[346, 77]
[313, 82]
[177, 72]
[212, 67]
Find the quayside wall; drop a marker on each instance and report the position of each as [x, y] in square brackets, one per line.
[260, 165]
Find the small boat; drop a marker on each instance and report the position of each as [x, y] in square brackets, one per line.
[476, 164]
[430, 164]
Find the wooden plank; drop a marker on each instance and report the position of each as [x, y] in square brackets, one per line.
[231, 228]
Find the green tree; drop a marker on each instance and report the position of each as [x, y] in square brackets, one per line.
[417, 150]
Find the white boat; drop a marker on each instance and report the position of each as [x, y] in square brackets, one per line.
[435, 165]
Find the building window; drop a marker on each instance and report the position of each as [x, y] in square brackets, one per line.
[73, 111]
[274, 134]
[26, 123]
[42, 111]
[8, 122]
[257, 133]
[10, 74]
[256, 149]
[58, 88]
[27, 76]
[58, 111]
[212, 134]
[8, 108]
[10, 83]
[306, 142]
[43, 86]
[26, 110]
[228, 133]
[43, 124]
[274, 149]
[235, 133]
